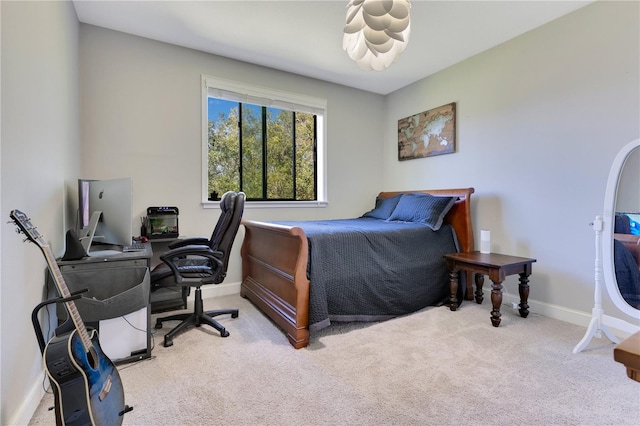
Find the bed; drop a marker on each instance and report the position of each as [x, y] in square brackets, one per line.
[289, 281]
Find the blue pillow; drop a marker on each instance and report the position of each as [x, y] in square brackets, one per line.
[384, 207]
[622, 224]
[423, 208]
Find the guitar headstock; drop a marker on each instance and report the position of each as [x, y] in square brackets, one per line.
[27, 228]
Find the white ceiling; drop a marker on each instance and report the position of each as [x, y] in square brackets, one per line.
[305, 37]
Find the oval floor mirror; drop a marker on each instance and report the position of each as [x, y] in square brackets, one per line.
[617, 237]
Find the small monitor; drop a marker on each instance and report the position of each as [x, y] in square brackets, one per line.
[114, 199]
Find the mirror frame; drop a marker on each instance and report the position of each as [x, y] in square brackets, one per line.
[610, 198]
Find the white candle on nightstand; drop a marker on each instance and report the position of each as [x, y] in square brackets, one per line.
[485, 241]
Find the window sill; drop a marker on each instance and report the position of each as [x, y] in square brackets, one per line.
[271, 204]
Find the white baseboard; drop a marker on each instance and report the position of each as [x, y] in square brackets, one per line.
[224, 289]
[619, 328]
[25, 411]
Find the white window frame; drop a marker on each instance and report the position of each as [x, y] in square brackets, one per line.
[241, 92]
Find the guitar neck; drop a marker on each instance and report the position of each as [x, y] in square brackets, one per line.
[27, 228]
[61, 285]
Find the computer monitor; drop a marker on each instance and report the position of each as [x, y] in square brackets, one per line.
[113, 198]
[84, 212]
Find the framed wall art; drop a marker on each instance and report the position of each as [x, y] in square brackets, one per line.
[429, 133]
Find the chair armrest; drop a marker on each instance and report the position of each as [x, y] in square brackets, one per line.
[632, 243]
[196, 241]
[172, 257]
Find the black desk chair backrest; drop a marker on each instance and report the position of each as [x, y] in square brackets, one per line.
[225, 231]
[195, 263]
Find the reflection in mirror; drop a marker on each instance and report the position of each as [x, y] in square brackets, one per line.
[622, 195]
[626, 236]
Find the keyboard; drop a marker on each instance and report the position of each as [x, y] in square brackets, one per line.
[134, 247]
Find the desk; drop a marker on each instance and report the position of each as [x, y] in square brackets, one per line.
[118, 285]
[109, 255]
[497, 267]
[169, 297]
[627, 352]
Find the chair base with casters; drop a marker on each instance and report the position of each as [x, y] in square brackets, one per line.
[195, 319]
[194, 262]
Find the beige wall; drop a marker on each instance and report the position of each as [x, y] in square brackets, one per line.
[40, 156]
[141, 119]
[539, 120]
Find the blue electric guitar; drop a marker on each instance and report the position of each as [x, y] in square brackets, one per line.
[88, 389]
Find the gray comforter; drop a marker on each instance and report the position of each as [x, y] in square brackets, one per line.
[369, 269]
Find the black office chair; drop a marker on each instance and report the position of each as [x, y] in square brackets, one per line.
[196, 262]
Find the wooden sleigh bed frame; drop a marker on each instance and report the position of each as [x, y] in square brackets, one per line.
[274, 264]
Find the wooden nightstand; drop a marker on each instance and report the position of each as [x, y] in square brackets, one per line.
[497, 267]
[627, 352]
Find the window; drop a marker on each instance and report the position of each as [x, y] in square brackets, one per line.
[266, 143]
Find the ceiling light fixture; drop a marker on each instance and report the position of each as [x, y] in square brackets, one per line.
[376, 32]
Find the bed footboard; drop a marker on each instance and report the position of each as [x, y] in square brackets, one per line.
[275, 257]
[274, 276]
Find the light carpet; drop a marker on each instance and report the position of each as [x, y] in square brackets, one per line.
[433, 367]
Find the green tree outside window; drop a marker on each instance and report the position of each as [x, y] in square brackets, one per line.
[268, 153]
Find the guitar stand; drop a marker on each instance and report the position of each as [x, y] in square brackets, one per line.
[34, 315]
[40, 337]
[41, 342]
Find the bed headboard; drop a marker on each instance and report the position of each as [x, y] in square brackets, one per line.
[459, 216]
